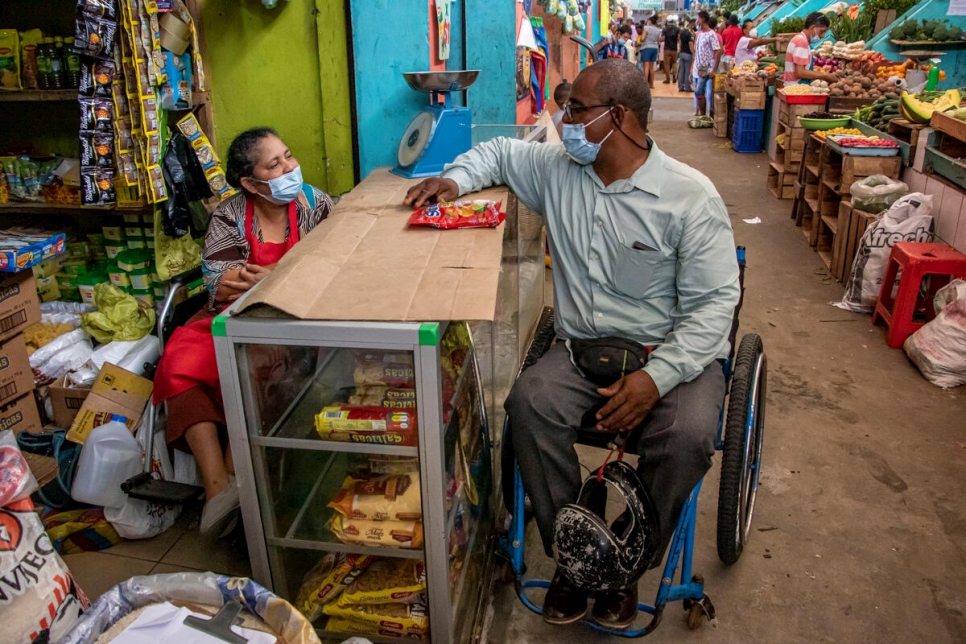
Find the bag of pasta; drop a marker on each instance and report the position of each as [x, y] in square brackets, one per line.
[379, 498]
[394, 534]
[404, 619]
[327, 580]
[388, 581]
[349, 627]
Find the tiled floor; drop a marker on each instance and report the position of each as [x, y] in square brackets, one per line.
[179, 549]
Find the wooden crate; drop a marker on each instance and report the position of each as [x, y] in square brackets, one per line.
[847, 103]
[840, 244]
[854, 168]
[858, 224]
[788, 113]
[751, 100]
[949, 125]
[883, 19]
[776, 182]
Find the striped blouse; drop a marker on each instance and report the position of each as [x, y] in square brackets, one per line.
[226, 246]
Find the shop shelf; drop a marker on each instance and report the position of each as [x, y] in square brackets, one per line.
[831, 222]
[813, 169]
[826, 257]
[38, 95]
[832, 185]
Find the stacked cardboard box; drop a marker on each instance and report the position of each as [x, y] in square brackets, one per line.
[19, 308]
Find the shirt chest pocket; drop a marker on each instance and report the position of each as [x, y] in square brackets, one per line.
[643, 273]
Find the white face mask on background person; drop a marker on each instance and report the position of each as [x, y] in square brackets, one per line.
[285, 189]
[575, 141]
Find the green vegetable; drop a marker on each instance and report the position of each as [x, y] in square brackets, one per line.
[941, 34]
[897, 33]
[909, 28]
[955, 33]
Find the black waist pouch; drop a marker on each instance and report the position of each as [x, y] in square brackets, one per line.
[604, 361]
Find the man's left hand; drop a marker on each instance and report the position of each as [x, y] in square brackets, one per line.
[631, 399]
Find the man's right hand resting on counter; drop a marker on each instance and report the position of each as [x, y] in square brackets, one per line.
[432, 190]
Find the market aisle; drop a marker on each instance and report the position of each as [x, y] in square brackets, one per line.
[860, 528]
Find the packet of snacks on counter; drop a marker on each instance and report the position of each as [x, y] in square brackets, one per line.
[380, 498]
[394, 534]
[459, 214]
[402, 619]
[367, 425]
[327, 580]
[388, 581]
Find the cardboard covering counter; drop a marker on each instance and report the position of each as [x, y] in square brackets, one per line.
[363, 383]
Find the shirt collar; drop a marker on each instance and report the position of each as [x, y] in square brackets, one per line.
[648, 177]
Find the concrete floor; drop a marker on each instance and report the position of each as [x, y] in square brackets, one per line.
[860, 526]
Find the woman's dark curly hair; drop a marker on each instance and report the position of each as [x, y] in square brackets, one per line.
[241, 154]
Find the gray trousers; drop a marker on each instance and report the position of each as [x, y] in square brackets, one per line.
[675, 442]
[684, 72]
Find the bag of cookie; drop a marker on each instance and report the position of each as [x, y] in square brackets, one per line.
[380, 498]
[393, 534]
[388, 581]
[328, 579]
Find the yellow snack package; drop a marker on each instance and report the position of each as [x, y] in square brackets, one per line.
[380, 498]
[396, 534]
[388, 581]
[404, 619]
[340, 625]
[327, 580]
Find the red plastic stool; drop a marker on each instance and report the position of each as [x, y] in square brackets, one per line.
[917, 260]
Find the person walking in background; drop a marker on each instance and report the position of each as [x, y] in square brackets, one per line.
[561, 94]
[616, 45]
[749, 43]
[669, 36]
[649, 47]
[730, 37]
[685, 58]
[707, 56]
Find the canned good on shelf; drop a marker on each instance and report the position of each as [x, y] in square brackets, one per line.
[75, 267]
[133, 260]
[133, 230]
[141, 279]
[79, 250]
[113, 233]
[135, 243]
[132, 218]
[86, 284]
[118, 277]
[113, 251]
[148, 232]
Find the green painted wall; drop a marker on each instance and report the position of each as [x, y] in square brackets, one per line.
[264, 69]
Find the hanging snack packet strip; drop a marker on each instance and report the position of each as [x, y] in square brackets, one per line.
[459, 214]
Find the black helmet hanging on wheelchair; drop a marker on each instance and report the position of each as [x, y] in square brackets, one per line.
[594, 555]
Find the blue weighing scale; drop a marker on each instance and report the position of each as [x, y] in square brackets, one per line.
[440, 133]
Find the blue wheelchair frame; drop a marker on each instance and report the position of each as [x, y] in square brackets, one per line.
[690, 588]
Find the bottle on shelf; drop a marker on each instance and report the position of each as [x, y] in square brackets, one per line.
[58, 70]
[72, 58]
[43, 53]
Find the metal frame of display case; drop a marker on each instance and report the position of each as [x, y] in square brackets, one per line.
[445, 592]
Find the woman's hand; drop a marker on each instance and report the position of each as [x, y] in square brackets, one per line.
[237, 282]
[431, 190]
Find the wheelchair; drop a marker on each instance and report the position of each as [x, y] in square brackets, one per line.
[739, 437]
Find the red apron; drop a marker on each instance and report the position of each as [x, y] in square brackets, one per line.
[189, 355]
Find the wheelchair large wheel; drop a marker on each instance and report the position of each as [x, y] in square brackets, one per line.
[741, 461]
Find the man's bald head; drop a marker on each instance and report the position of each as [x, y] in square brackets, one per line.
[619, 82]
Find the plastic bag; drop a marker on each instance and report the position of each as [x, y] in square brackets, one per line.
[460, 214]
[138, 519]
[191, 588]
[118, 316]
[17, 482]
[909, 219]
[876, 193]
[67, 353]
[938, 348]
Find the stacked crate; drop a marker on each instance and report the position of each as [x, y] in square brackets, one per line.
[783, 172]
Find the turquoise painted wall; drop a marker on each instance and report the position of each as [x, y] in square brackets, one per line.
[388, 38]
[491, 48]
[265, 70]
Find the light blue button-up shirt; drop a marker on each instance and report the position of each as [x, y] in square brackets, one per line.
[650, 257]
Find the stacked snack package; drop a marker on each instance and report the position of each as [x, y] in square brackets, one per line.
[95, 36]
[379, 510]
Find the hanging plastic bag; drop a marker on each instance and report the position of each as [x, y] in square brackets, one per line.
[876, 193]
[118, 316]
[909, 219]
[17, 482]
[938, 348]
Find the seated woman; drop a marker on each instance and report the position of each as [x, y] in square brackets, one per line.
[248, 234]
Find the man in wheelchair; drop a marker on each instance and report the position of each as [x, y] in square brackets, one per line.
[643, 256]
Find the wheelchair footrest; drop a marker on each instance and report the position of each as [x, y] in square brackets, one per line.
[147, 488]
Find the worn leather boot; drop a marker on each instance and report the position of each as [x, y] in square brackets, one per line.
[564, 604]
[616, 608]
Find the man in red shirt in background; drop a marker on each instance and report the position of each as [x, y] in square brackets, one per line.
[731, 35]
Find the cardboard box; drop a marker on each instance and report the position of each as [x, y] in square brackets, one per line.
[16, 377]
[25, 247]
[19, 304]
[116, 391]
[21, 415]
[66, 401]
[44, 468]
[364, 262]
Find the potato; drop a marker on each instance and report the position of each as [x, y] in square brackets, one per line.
[852, 95]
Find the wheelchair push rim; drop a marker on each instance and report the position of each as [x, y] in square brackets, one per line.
[741, 460]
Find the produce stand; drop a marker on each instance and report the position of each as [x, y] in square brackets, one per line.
[364, 304]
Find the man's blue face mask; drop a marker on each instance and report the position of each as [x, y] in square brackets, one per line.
[576, 144]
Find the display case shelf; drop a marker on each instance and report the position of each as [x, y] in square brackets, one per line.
[39, 95]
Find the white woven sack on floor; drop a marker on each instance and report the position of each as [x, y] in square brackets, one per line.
[938, 348]
[909, 219]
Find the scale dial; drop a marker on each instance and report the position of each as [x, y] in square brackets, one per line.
[415, 139]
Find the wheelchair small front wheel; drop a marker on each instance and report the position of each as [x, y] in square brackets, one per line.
[741, 460]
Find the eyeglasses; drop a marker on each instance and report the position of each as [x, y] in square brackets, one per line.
[570, 110]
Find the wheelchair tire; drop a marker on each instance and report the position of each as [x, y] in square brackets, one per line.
[741, 460]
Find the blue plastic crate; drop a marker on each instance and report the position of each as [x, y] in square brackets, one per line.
[746, 130]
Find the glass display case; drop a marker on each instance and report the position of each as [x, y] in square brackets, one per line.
[364, 454]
